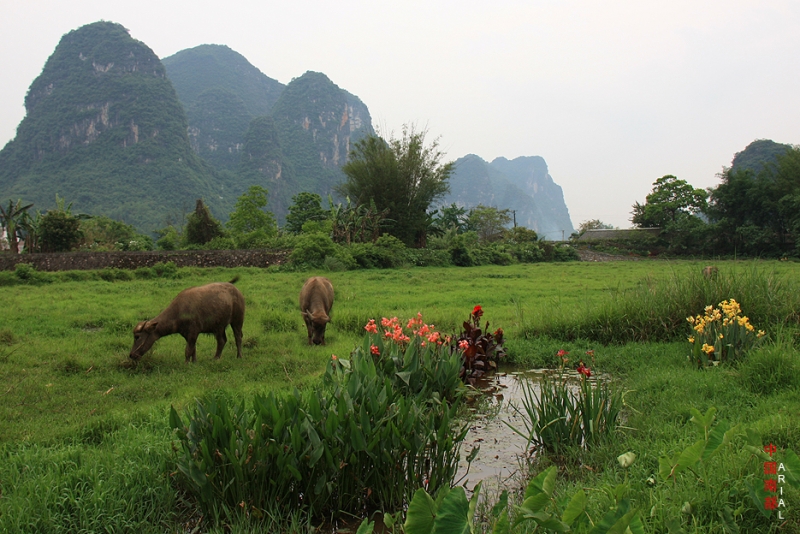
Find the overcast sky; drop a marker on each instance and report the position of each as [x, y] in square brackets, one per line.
[613, 94]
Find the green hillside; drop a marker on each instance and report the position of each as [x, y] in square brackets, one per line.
[221, 93]
[758, 154]
[105, 130]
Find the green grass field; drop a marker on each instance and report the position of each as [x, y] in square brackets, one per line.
[77, 415]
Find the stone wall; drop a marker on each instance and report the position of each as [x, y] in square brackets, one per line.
[68, 261]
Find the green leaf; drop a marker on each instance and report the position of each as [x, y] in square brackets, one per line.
[576, 506]
[366, 527]
[453, 516]
[501, 505]
[703, 421]
[421, 514]
[544, 482]
[716, 438]
[792, 464]
[690, 455]
[535, 503]
[728, 522]
[502, 526]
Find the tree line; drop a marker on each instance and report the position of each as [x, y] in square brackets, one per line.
[387, 211]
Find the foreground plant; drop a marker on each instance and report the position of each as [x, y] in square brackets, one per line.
[721, 334]
[376, 432]
[482, 349]
[570, 410]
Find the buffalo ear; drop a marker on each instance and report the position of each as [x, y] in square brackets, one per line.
[150, 325]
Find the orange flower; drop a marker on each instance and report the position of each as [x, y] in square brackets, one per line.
[375, 350]
[371, 327]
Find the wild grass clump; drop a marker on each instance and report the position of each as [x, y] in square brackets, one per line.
[656, 309]
[562, 413]
[771, 369]
[122, 486]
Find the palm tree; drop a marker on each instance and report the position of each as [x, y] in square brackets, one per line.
[10, 218]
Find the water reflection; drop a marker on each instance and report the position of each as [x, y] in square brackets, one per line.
[501, 449]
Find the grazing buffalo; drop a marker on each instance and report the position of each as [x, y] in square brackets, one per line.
[710, 272]
[316, 301]
[207, 309]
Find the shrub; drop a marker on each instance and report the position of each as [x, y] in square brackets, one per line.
[357, 443]
[312, 249]
[166, 270]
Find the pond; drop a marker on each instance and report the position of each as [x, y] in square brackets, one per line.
[502, 451]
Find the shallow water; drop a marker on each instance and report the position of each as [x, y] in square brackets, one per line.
[502, 450]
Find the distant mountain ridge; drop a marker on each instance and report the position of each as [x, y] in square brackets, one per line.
[105, 130]
[523, 185]
[287, 138]
[116, 131]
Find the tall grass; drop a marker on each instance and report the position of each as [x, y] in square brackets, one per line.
[656, 309]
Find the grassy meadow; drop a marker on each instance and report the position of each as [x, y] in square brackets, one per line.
[84, 438]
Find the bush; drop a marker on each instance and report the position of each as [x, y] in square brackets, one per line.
[167, 270]
[312, 249]
[26, 273]
[368, 439]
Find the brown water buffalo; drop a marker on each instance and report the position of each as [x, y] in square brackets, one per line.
[710, 272]
[207, 309]
[316, 301]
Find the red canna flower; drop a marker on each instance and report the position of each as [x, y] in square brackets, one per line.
[584, 370]
[561, 353]
[375, 350]
[371, 327]
[477, 311]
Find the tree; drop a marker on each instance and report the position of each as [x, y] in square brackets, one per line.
[59, 231]
[488, 222]
[201, 227]
[670, 199]
[452, 217]
[758, 213]
[104, 233]
[593, 224]
[249, 215]
[403, 176]
[10, 218]
[305, 207]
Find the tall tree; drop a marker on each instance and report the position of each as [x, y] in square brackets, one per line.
[201, 227]
[403, 176]
[10, 219]
[249, 214]
[488, 222]
[305, 207]
[670, 199]
[59, 231]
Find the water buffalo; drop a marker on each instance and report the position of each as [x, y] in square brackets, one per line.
[316, 301]
[710, 272]
[207, 309]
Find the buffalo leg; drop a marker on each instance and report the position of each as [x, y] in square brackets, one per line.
[221, 340]
[191, 348]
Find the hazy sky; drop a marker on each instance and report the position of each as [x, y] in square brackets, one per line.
[613, 94]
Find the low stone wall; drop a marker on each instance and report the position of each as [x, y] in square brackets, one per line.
[79, 261]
